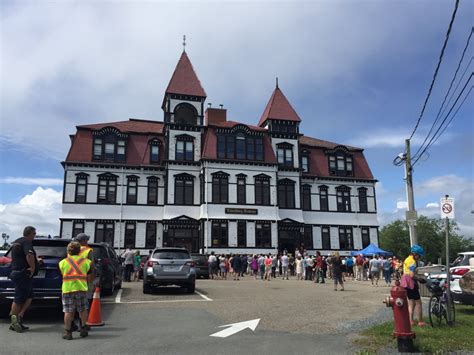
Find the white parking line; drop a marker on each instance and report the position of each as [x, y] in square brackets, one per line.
[119, 296]
[203, 296]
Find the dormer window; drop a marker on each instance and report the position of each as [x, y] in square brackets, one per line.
[305, 163]
[109, 145]
[285, 154]
[239, 146]
[341, 163]
[184, 148]
[155, 151]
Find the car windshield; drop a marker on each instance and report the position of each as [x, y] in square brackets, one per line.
[462, 260]
[171, 254]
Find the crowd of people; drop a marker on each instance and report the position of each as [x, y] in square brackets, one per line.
[307, 267]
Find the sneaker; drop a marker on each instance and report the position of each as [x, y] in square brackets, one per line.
[67, 335]
[15, 324]
[24, 327]
[83, 332]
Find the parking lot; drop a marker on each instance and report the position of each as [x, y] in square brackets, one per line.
[294, 316]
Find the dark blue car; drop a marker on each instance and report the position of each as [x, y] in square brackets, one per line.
[47, 283]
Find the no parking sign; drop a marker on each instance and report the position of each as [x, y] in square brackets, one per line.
[447, 207]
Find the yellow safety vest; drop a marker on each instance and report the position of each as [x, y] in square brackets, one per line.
[74, 270]
[85, 251]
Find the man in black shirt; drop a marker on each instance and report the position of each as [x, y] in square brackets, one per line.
[24, 267]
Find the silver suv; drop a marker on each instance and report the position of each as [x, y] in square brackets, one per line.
[169, 266]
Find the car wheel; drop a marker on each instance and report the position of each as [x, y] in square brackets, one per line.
[146, 289]
[119, 286]
[191, 288]
[110, 291]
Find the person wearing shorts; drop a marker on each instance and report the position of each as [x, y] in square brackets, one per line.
[76, 272]
[24, 267]
[411, 285]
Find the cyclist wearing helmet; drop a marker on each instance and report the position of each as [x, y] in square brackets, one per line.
[411, 285]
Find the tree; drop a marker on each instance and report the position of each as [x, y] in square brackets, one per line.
[394, 237]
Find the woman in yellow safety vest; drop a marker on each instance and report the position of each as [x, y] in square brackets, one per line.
[75, 270]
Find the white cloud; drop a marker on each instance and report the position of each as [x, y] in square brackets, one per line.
[460, 188]
[394, 138]
[41, 208]
[31, 181]
[402, 205]
[70, 63]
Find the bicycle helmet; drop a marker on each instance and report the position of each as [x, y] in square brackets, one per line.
[416, 249]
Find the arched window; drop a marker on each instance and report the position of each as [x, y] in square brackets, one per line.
[185, 114]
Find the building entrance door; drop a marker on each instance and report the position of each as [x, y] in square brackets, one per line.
[187, 238]
[288, 240]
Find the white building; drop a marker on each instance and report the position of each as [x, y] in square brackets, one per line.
[206, 183]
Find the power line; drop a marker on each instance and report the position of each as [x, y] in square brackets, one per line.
[438, 116]
[437, 68]
[444, 120]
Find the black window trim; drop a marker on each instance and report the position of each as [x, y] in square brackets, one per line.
[81, 176]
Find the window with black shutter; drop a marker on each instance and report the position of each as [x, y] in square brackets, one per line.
[81, 188]
[241, 190]
[130, 235]
[150, 236]
[104, 233]
[241, 234]
[345, 238]
[365, 237]
[107, 189]
[132, 189]
[326, 238]
[184, 189]
[262, 190]
[286, 193]
[306, 198]
[362, 199]
[323, 198]
[220, 238]
[220, 187]
[343, 194]
[152, 191]
[263, 235]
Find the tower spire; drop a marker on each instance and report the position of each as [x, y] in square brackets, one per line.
[277, 82]
[184, 43]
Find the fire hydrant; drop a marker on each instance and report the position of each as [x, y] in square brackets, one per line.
[399, 303]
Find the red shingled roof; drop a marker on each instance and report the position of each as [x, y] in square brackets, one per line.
[132, 125]
[318, 160]
[231, 124]
[279, 108]
[314, 142]
[184, 80]
[140, 132]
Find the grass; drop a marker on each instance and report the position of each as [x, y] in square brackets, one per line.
[459, 337]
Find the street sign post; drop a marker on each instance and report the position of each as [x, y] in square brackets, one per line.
[447, 207]
[447, 212]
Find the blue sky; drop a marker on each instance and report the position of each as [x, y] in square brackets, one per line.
[356, 72]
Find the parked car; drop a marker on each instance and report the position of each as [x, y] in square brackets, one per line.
[109, 268]
[46, 284]
[463, 265]
[169, 266]
[201, 265]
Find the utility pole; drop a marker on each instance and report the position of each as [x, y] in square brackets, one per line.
[411, 213]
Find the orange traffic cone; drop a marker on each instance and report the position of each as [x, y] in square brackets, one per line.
[95, 313]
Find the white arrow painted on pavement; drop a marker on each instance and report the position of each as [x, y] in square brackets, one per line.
[235, 328]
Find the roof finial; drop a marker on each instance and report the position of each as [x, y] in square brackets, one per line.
[277, 82]
[184, 43]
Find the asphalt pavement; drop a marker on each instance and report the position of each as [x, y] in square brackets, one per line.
[296, 317]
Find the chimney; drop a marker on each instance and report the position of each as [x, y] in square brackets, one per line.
[215, 115]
